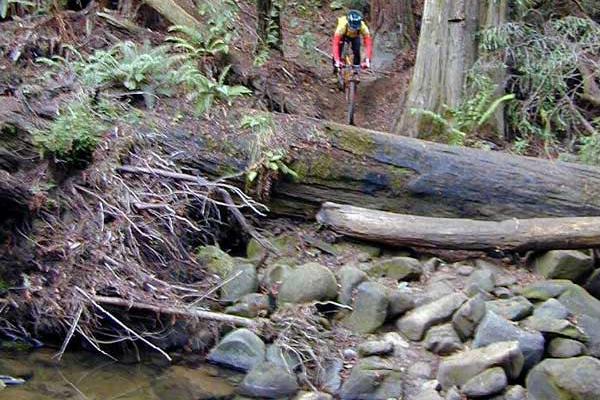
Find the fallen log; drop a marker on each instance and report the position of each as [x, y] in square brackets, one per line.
[376, 170]
[461, 234]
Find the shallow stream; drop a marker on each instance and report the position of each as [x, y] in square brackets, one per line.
[85, 376]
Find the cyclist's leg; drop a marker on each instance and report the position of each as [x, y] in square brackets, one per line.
[356, 49]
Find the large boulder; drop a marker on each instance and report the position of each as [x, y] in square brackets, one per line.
[457, 369]
[443, 340]
[216, 260]
[481, 281]
[398, 268]
[401, 301]
[308, 282]
[494, 328]
[241, 349]
[586, 310]
[565, 379]
[565, 348]
[268, 381]
[373, 379]
[468, 316]
[416, 322]
[241, 280]
[514, 309]
[544, 290]
[551, 308]
[564, 264]
[370, 308]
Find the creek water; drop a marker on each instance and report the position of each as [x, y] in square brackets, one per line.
[85, 376]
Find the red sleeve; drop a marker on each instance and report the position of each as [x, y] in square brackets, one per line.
[335, 47]
[369, 46]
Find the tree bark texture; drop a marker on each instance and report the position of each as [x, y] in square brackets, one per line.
[389, 172]
[447, 50]
[461, 234]
[268, 14]
[393, 26]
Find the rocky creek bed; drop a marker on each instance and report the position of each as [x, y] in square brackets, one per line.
[352, 321]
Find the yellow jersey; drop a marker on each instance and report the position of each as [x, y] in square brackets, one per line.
[343, 29]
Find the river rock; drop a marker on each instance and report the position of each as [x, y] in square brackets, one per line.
[564, 264]
[551, 308]
[468, 316]
[331, 380]
[453, 394]
[514, 309]
[372, 379]
[369, 309]
[414, 324]
[268, 381]
[555, 327]
[216, 260]
[375, 348]
[565, 348]
[398, 268]
[241, 349]
[442, 340]
[250, 306]
[282, 357]
[586, 310]
[401, 301]
[313, 396]
[481, 281]
[428, 394]
[421, 369]
[544, 290]
[434, 290]
[241, 280]
[592, 285]
[516, 392]
[457, 369]
[559, 379]
[487, 383]
[349, 277]
[308, 282]
[494, 328]
[273, 276]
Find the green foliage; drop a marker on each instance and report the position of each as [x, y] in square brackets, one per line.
[545, 63]
[590, 151]
[73, 136]
[271, 162]
[199, 43]
[308, 42]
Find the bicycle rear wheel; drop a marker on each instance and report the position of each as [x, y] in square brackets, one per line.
[351, 95]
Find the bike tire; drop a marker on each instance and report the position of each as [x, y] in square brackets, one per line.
[351, 101]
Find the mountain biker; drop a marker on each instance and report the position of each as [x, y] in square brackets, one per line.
[349, 29]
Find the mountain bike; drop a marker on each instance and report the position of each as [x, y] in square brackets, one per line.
[348, 80]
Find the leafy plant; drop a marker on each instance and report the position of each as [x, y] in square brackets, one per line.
[200, 43]
[590, 151]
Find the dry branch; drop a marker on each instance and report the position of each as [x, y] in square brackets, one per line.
[461, 234]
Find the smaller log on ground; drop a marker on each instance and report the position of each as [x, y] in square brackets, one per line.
[461, 234]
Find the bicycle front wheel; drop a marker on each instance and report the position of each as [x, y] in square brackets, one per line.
[351, 97]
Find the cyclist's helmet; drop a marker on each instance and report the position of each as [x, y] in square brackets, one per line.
[354, 19]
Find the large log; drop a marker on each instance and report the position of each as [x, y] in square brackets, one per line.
[461, 234]
[394, 173]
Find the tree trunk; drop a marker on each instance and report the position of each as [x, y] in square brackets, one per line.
[269, 23]
[376, 170]
[447, 50]
[393, 25]
[174, 13]
[461, 234]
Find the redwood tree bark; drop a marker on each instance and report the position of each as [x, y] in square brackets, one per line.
[393, 25]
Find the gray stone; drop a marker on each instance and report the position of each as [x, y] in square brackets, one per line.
[505, 280]
[274, 275]
[240, 349]
[216, 260]
[421, 370]
[457, 369]
[453, 394]
[369, 309]
[372, 384]
[565, 348]
[414, 324]
[564, 264]
[468, 316]
[586, 310]
[487, 383]
[282, 357]
[313, 396]
[503, 293]
[463, 269]
[375, 348]
[268, 380]
[401, 301]
[555, 327]
[442, 340]
[308, 282]
[551, 308]
[251, 305]
[480, 281]
[349, 277]
[435, 290]
[560, 379]
[428, 394]
[241, 280]
[513, 309]
[592, 285]
[516, 392]
[432, 264]
[400, 344]
[494, 328]
[544, 290]
[398, 268]
[331, 380]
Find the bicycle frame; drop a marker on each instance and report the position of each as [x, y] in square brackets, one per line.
[349, 80]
